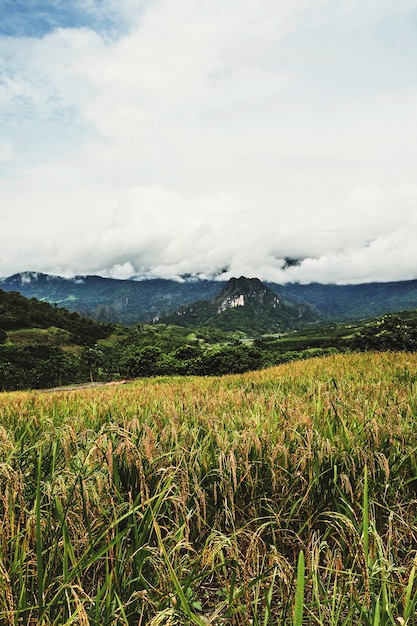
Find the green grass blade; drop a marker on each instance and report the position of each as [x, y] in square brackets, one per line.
[299, 592]
[410, 600]
[184, 604]
[365, 527]
[39, 550]
[377, 614]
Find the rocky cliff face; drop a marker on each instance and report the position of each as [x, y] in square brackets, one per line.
[231, 303]
[245, 292]
[247, 305]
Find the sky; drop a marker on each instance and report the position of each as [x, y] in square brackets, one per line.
[208, 138]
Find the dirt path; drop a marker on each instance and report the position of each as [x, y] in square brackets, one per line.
[82, 386]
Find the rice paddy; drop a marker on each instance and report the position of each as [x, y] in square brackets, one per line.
[284, 496]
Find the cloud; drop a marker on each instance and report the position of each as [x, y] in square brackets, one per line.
[160, 138]
[159, 232]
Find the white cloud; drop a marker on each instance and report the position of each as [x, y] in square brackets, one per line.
[6, 151]
[158, 232]
[204, 136]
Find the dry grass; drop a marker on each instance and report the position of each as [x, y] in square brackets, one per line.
[189, 500]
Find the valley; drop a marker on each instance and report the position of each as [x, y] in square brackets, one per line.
[245, 326]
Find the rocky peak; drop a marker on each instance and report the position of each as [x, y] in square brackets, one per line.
[242, 292]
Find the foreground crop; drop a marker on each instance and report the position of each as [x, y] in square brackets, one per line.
[285, 496]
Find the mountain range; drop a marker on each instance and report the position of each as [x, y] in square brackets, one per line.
[130, 302]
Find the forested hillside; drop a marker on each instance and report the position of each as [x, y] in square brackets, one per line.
[247, 305]
[44, 345]
[17, 312]
[111, 300]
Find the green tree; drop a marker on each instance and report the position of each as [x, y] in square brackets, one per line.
[91, 360]
[388, 333]
[144, 362]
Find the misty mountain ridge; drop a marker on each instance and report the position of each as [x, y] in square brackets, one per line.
[131, 301]
[111, 300]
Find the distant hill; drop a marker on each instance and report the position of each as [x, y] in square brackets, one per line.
[132, 301]
[110, 300]
[247, 305]
[353, 302]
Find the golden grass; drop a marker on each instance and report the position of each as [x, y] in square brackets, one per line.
[188, 500]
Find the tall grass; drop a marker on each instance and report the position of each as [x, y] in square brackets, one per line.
[286, 496]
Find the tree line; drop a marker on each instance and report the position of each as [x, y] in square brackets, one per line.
[80, 350]
[35, 366]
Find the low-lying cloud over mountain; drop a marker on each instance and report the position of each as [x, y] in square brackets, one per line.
[211, 139]
[159, 233]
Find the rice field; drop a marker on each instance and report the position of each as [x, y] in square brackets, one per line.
[284, 496]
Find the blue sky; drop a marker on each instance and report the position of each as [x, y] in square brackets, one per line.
[37, 18]
[30, 18]
[163, 138]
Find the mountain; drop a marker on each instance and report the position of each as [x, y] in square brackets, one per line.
[247, 305]
[133, 301]
[111, 300]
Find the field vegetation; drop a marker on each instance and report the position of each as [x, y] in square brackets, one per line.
[283, 496]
